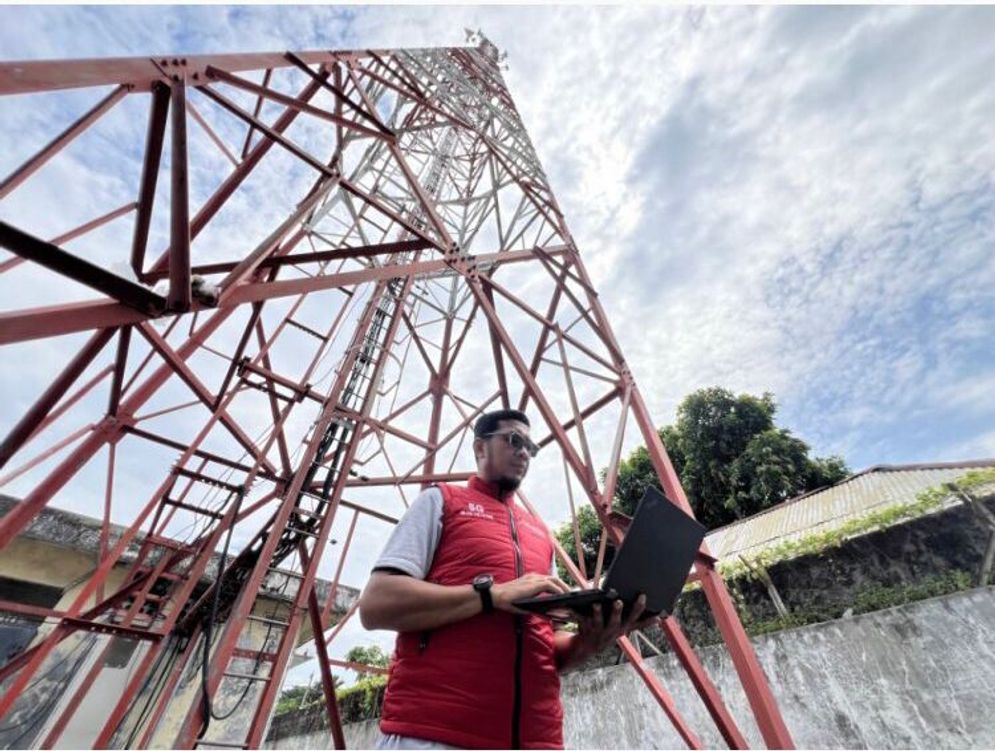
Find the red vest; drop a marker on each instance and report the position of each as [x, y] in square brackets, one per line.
[487, 681]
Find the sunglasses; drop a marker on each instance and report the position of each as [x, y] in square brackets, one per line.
[517, 441]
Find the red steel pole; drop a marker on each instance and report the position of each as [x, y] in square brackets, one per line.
[179, 216]
[27, 424]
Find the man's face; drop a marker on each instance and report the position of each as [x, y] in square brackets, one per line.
[497, 460]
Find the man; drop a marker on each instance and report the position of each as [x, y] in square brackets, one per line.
[470, 670]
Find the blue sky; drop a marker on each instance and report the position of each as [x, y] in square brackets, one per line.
[810, 189]
[796, 200]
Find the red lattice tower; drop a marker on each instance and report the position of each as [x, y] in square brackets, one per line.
[374, 257]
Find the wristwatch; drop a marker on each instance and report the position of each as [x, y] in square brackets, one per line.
[482, 583]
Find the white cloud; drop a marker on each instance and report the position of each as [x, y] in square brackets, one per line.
[981, 446]
[788, 199]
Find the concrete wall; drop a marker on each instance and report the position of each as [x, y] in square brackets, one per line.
[31, 561]
[915, 676]
[316, 737]
[822, 586]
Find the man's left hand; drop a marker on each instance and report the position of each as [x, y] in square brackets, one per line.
[595, 634]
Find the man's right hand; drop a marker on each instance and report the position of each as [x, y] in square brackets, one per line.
[529, 585]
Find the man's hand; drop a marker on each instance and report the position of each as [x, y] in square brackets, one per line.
[594, 634]
[599, 634]
[529, 585]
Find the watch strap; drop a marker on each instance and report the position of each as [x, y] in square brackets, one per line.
[485, 597]
[484, 590]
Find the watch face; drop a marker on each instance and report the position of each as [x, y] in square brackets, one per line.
[483, 580]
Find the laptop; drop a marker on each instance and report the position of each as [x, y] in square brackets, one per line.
[654, 558]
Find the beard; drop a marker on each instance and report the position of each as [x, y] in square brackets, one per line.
[508, 484]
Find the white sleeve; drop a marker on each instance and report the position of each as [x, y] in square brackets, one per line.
[411, 546]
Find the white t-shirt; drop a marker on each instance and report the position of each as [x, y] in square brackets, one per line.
[411, 546]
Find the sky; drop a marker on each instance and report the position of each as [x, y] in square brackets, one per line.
[796, 200]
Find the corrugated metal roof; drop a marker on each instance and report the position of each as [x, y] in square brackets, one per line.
[823, 510]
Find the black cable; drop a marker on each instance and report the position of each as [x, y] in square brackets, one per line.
[209, 624]
[248, 683]
[39, 678]
[290, 537]
[41, 711]
[174, 653]
[269, 632]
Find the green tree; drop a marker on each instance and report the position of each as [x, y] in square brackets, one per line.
[372, 655]
[590, 538]
[292, 698]
[636, 472]
[362, 700]
[713, 429]
[731, 459]
[300, 697]
[773, 467]
[827, 470]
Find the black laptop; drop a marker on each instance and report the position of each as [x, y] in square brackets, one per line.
[654, 558]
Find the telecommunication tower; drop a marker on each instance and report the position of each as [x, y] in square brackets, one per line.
[296, 290]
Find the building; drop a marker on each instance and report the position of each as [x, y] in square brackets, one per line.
[42, 571]
[858, 497]
[888, 535]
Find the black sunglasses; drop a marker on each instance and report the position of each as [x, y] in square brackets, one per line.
[517, 441]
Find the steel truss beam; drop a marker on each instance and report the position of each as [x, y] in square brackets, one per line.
[410, 214]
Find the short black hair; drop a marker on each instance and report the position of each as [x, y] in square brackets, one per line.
[488, 422]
